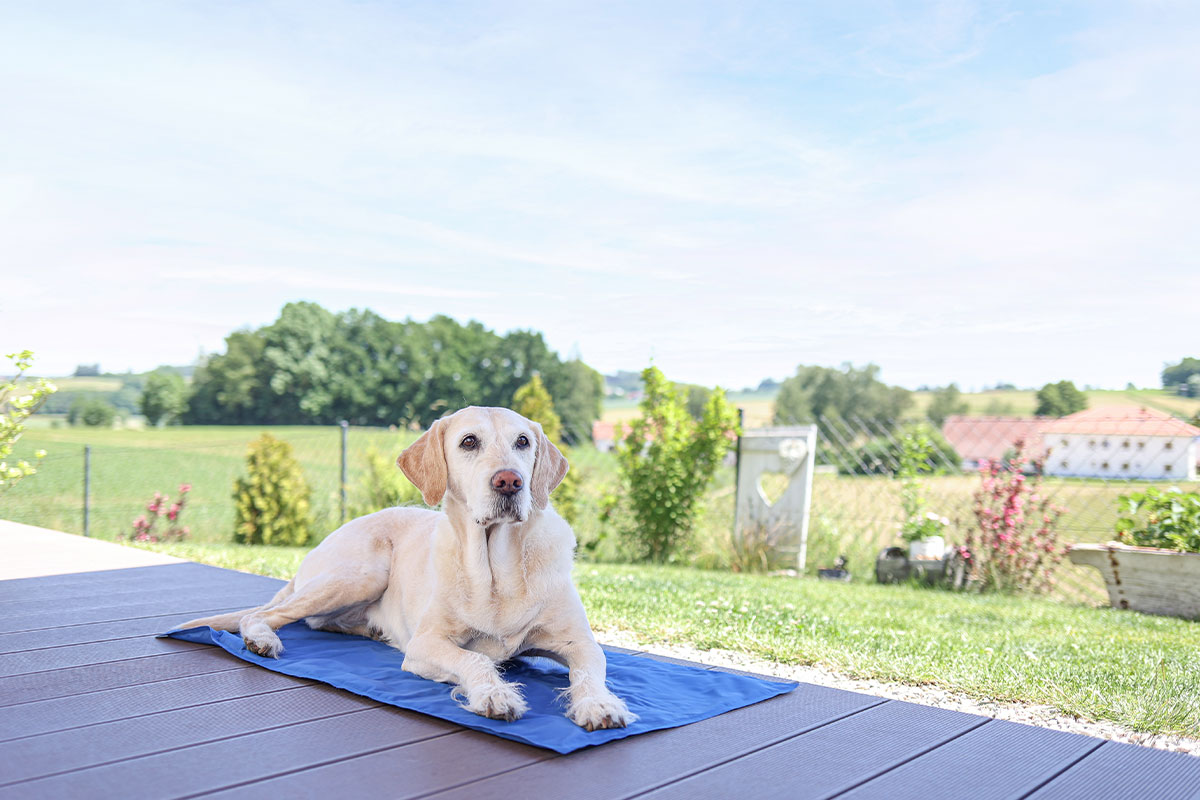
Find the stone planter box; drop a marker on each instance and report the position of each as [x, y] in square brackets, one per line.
[1145, 579]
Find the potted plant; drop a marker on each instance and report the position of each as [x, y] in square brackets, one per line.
[1153, 566]
[925, 535]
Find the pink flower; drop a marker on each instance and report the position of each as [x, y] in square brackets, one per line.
[185, 488]
[173, 513]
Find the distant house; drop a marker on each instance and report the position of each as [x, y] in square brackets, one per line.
[1123, 443]
[604, 435]
[977, 439]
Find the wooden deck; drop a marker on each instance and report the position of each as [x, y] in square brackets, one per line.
[92, 705]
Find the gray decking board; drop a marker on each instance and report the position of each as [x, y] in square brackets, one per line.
[1031, 758]
[835, 757]
[45, 716]
[629, 766]
[95, 631]
[122, 739]
[1118, 771]
[94, 706]
[34, 686]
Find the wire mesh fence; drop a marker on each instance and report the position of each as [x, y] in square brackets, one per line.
[1084, 464]
[856, 503]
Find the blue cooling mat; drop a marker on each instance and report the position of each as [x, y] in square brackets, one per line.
[662, 695]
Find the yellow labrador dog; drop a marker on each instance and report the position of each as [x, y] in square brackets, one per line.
[461, 590]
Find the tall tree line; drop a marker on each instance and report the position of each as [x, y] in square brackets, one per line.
[313, 366]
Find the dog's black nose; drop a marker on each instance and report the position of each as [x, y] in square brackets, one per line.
[507, 481]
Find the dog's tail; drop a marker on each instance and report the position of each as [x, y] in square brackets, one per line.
[232, 621]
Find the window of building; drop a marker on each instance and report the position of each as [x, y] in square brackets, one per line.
[1125, 467]
[1125, 444]
[1105, 443]
[1167, 468]
[1065, 465]
[1168, 445]
[1141, 445]
[1064, 442]
[1104, 465]
[1091, 443]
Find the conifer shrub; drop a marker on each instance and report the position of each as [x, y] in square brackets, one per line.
[273, 499]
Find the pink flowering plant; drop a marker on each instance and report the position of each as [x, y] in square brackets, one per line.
[144, 527]
[1014, 546]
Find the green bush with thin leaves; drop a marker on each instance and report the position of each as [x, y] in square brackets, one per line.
[667, 460]
[382, 486]
[17, 402]
[273, 499]
[1154, 518]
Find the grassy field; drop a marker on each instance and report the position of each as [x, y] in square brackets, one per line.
[1136, 670]
[129, 466]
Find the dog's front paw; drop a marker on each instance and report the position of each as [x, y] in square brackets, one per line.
[501, 701]
[595, 712]
[263, 642]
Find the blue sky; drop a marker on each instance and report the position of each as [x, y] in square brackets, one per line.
[957, 191]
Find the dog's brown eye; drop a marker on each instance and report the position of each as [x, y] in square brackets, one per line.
[522, 441]
[469, 442]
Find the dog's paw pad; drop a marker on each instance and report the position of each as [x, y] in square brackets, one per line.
[265, 645]
[598, 713]
[500, 702]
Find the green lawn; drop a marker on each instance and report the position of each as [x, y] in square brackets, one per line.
[129, 466]
[1140, 671]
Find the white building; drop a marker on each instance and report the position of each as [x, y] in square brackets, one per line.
[1122, 443]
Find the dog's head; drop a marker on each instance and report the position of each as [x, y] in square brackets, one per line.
[496, 462]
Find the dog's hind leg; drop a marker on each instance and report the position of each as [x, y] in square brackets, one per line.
[324, 595]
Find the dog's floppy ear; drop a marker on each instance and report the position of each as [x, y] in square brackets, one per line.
[549, 468]
[424, 463]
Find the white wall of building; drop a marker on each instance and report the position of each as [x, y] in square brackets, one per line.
[1089, 455]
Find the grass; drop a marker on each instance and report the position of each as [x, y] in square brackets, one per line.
[1136, 670]
[129, 466]
[1140, 671]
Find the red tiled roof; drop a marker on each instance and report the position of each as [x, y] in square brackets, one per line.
[1121, 421]
[976, 438]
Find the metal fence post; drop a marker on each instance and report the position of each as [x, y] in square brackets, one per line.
[87, 487]
[345, 430]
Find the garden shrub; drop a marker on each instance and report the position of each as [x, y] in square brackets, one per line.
[1154, 518]
[666, 460]
[91, 411]
[272, 499]
[383, 486]
[15, 408]
[1014, 547]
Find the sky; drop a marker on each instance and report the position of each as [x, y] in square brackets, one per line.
[956, 191]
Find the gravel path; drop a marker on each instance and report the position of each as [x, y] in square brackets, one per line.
[1042, 716]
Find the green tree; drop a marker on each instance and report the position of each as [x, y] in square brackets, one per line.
[272, 500]
[91, 411]
[532, 401]
[1059, 400]
[1175, 374]
[18, 400]
[164, 397]
[229, 388]
[667, 460]
[945, 402]
[578, 392]
[850, 393]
